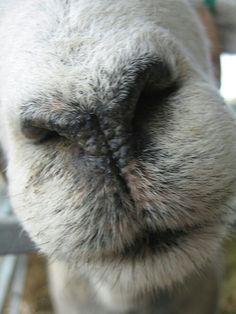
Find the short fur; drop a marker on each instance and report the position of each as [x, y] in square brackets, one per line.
[120, 150]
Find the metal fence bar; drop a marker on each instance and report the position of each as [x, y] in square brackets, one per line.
[13, 239]
[18, 285]
[8, 264]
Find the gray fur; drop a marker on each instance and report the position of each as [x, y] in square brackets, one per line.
[120, 150]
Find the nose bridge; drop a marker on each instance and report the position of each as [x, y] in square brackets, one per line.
[107, 128]
[101, 128]
[107, 134]
[117, 130]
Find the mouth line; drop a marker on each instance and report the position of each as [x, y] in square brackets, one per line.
[156, 242]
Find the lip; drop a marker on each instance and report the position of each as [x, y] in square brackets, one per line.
[156, 242]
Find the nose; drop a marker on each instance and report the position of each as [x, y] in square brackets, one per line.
[105, 131]
[106, 135]
[103, 134]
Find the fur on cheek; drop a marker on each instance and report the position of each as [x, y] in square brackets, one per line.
[72, 51]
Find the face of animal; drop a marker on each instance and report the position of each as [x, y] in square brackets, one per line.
[120, 151]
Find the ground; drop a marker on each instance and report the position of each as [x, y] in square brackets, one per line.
[229, 288]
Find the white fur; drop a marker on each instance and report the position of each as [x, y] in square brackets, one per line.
[74, 52]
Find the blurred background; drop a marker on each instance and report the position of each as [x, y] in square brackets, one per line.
[228, 91]
[23, 278]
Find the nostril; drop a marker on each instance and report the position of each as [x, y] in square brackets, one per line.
[41, 126]
[38, 134]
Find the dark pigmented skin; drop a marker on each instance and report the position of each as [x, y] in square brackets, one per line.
[104, 135]
[95, 140]
[120, 153]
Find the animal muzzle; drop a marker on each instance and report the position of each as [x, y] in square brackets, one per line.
[104, 137]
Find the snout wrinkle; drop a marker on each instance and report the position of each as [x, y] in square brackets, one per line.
[100, 140]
